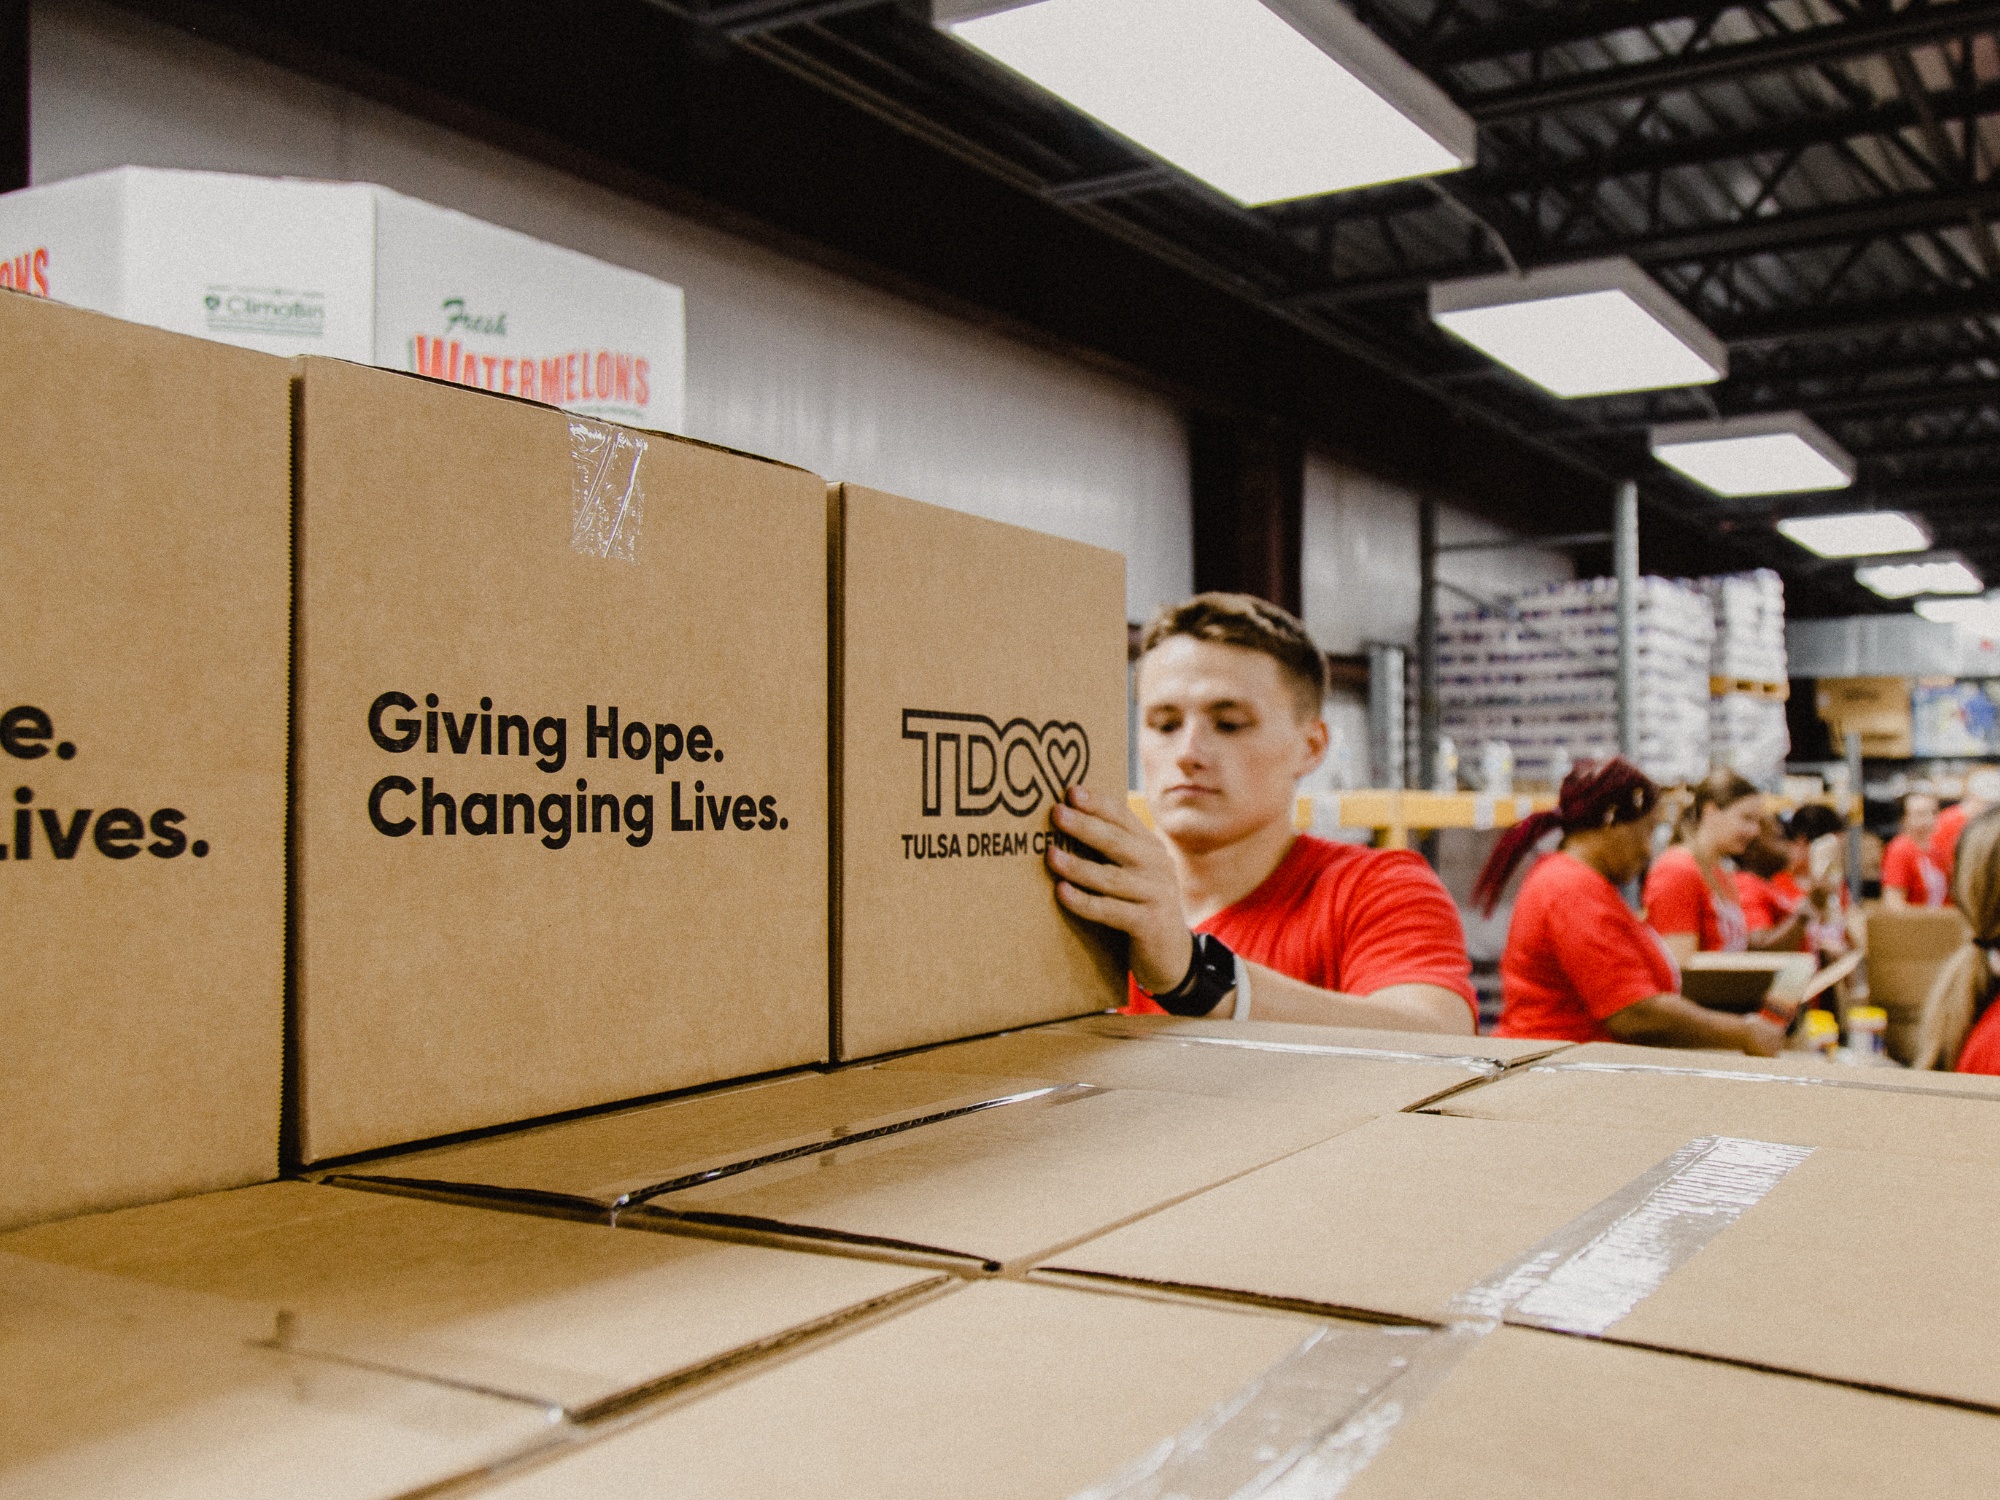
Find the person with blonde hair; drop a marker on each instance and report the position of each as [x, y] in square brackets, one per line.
[1958, 1029]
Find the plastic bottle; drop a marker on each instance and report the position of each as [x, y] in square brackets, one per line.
[1866, 1041]
[1818, 1032]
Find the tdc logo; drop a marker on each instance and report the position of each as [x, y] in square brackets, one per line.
[982, 765]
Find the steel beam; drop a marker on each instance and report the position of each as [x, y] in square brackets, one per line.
[1800, 49]
[1850, 318]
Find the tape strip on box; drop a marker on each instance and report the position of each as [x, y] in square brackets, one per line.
[609, 501]
[1133, 1031]
[1307, 1427]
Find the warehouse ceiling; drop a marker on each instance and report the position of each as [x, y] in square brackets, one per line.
[1817, 180]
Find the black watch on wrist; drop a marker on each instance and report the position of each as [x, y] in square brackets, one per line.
[1211, 975]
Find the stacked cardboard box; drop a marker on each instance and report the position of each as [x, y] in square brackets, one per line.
[1543, 677]
[1747, 730]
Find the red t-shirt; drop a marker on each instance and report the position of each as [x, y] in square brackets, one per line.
[1765, 903]
[1944, 837]
[1911, 870]
[1679, 900]
[1981, 1052]
[1348, 918]
[1576, 954]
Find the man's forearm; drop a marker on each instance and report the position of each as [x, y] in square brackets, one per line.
[1399, 1007]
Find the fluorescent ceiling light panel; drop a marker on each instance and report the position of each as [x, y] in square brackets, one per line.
[1982, 615]
[1264, 100]
[1589, 329]
[1865, 533]
[1906, 580]
[1777, 453]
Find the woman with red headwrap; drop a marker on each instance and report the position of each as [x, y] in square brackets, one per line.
[1579, 966]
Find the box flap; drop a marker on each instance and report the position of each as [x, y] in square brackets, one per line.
[118, 1388]
[563, 1314]
[995, 1170]
[1338, 1088]
[994, 1393]
[1945, 1116]
[1508, 1050]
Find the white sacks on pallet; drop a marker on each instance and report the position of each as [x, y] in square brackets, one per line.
[1544, 677]
[1747, 731]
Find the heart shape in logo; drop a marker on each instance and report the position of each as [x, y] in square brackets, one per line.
[1066, 753]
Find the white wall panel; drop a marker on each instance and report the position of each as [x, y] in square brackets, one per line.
[784, 359]
[1361, 565]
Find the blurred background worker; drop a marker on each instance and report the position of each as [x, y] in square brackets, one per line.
[1910, 876]
[1959, 1026]
[1579, 965]
[1691, 897]
[1791, 902]
[1982, 794]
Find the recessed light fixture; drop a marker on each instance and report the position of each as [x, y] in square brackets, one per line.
[1775, 453]
[1863, 533]
[1907, 580]
[1968, 614]
[1264, 100]
[1589, 329]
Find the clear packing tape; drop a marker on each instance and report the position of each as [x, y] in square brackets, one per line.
[1307, 1427]
[608, 498]
[1139, 1031]
[1742, 1075]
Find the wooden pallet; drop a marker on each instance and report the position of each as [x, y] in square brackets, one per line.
[1719, 686]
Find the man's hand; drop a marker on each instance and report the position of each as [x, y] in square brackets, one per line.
[1137, 893]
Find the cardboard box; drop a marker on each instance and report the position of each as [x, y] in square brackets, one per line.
[353, 271]
[144, 535]
[939, 1166]
[1011, 1391]
[1907, 950]
[575, 1317]
[116, 1388]
[981, 675]
[1340, 1086]
[506, 612]
[1943, 1116]
[1876, 707]
[1401, 1216]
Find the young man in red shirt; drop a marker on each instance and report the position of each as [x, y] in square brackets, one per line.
[1910, 876]
[1229, 903]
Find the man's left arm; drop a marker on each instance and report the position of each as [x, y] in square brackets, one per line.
[1395, 1007]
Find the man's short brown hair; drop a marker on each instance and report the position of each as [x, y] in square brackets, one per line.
[1255, 625]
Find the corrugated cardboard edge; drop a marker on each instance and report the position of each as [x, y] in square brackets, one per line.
[836, 740]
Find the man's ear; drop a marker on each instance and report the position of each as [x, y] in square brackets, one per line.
[1315, 747]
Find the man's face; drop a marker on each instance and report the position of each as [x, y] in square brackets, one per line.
[1220, 741]
[1920, 816]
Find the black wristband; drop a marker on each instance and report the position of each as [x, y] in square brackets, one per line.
[1211, 974]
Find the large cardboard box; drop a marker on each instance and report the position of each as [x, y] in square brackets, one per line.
[1336, 1082]
[118, 1389]
[1878, 708]
[144, 534]
[944, 1167]
[981, 675]
[573, 1317]
[560, 759]
[1034, 1394]
[1944, 1116]
[1907, 950]
[353, 271]
[1403, 1216]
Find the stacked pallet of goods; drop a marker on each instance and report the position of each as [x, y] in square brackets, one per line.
[1543, 677]
[1747, 675]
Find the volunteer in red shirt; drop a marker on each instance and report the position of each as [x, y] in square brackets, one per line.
[1773, 910]
[1579, 966]
[1817, 879]
[1691, 898]
[1959, 1025]
[1230, 911]
[1910, 876]
[1982, 793]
